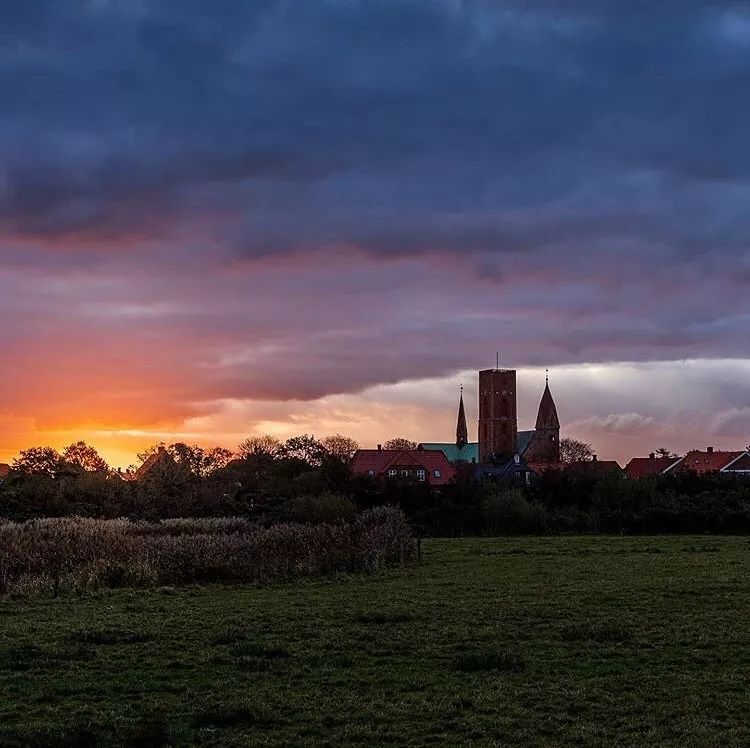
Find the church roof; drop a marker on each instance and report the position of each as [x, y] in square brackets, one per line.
[547, 416]
[524, 439]
[453, 452]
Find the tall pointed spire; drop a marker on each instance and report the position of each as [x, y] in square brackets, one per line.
[462, 433]
[547, 416]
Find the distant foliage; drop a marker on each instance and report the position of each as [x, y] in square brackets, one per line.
[84, 457]
[400, 443]
[307, 480]
[37, 461]
[77, 554]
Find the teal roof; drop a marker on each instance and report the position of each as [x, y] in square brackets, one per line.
[453, 452]
[524, 439]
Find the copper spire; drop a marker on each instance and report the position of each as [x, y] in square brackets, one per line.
[462, 433]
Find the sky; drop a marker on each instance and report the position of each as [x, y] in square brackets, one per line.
[231, 218]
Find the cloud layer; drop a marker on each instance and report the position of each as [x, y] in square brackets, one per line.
[273, 202]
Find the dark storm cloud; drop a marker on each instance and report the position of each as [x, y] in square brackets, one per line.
[398, 127]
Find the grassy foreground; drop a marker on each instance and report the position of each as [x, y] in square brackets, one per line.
[543, 641]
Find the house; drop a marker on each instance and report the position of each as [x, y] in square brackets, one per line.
[716, 461]
[426, 466]
[642, 467]
[514, 472]
[157, 459]
[739, 466]
[583, 468]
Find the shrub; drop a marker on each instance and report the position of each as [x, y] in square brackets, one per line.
[328, 507]
[508, 511]
[81, 554]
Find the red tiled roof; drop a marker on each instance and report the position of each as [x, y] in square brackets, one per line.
[4, 469]
[380, 460]
[640, 467]
[708, 462]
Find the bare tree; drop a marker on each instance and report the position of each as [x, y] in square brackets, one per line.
[259, 445]
[399, 443]
[572, 450]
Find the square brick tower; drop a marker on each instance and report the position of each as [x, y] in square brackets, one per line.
[498, 421]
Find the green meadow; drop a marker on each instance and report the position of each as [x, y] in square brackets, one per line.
[572, 641]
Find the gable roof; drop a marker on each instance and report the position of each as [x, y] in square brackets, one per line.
[709, 461]
[740, 464]
[641, 467]
[468, 453]
[380, 460]
[160, 456]
[524, 439]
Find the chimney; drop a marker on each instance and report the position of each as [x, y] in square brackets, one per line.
[380, 447]
[420, 448]
[651, 455]
[709, 450]
[594, 458]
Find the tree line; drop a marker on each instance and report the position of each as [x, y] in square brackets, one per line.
[307, 479]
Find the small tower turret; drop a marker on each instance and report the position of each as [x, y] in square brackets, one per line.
[545, 445]
[462, 432]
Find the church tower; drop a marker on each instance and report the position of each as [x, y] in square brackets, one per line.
[498, 422]
[462, 433]
[545, 446]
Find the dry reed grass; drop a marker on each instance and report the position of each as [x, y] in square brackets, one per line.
[76, 554]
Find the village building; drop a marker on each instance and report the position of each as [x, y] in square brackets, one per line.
[716, 461]
[421, 465]
[643, 467]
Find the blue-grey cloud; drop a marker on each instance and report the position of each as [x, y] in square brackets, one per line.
[398, 127]
[291, 199]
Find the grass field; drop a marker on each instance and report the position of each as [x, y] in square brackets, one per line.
[544, 641]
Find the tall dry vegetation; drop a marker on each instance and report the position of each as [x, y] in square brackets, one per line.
[78, 554]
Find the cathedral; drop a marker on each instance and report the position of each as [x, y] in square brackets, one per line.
[500, 441]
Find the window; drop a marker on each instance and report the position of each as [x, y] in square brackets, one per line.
[435, 473]
[404, 473]
[392, 473]
[421, 475]
[371, 473]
